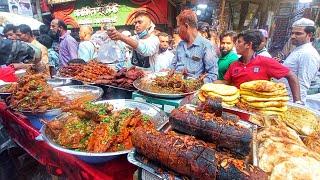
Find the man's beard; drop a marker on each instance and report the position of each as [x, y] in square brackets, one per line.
[161, 50]
[223, 53]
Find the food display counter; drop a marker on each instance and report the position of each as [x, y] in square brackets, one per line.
[56, 162]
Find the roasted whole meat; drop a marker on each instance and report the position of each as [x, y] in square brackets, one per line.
[190, 157]
[222, 131]
[123, 78]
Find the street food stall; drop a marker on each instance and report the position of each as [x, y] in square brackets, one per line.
[96, 131]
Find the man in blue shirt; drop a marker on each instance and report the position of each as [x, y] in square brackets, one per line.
[194, 54]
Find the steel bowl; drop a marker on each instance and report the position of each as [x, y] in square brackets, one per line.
[159, 118]
[148, 78]
[75, 91]
[4, 95]
[34, 118]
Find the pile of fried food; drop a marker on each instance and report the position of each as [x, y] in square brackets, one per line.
[92, 70]
[174, 83]
[8, 88]
[264, 96]
[123, 78]
[283, 155]
[96, 127]
[33, 93]
[71, 70]
[229, 94]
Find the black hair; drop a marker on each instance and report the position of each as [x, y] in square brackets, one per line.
[77, 61]
[45, 40]
[251, 36]
[231, 34]
[9, 27]
[25, 29]
[14, 7]
[176, 31]
[310, 29]
[44, 29]
[62, 24]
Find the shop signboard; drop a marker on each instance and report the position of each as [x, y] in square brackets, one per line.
[21, 7]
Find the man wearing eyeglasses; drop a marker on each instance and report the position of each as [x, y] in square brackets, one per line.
[304, 60]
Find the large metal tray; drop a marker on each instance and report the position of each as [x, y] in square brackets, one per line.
[159, 118]
[4, 95]
[148, 78]
[152, 170]
[75, 91]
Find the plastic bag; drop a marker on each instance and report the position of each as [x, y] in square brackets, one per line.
[110, 52]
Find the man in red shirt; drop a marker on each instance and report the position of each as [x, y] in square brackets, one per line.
[254, 67]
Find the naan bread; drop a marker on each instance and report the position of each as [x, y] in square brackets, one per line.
[279, 134]
[221, 89]
[264, 94]
[265, 104]
[262, 86]
[277, 109]
[261, 99]
[297, 168]
[225, 98]
[275, 153]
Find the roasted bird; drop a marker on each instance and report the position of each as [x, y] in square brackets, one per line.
[96, 127]
[190, 157]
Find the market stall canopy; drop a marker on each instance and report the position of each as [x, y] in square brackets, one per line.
[16, 20]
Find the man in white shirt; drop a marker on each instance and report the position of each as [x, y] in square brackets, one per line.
[145, 45]
[304, 60]
[262, 50]
[164, 57]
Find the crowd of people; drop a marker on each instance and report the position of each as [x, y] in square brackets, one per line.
[194, 48]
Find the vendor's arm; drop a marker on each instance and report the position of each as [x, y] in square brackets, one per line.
[277, 70]
[210, 65]
[294, 86]
[145, 48]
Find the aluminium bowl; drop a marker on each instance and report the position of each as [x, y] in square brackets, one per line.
[159, 118]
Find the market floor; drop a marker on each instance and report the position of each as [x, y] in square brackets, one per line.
[16, 164]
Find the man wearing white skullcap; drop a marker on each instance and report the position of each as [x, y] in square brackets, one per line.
[304, 60]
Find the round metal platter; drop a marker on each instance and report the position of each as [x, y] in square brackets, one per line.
[159, 118]
[148, 78]
[75, 91]
[4, 95]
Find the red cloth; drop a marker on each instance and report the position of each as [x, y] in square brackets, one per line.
[259, 68]
[7, 74]
[60, 163]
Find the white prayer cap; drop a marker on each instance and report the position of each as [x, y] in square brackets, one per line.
[303, 22]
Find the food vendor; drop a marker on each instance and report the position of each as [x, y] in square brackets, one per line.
[255, 67]
[145, 45]
[195, 55]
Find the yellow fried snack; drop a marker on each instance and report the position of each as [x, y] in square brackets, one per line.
[263, 104]
[221, 89]
[277, 109]
[263, 99]
[225, 98]
[282, 92]
[262, 86]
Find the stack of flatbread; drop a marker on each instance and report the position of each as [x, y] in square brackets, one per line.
[229, 94]
[282, 154]
[266, 96]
